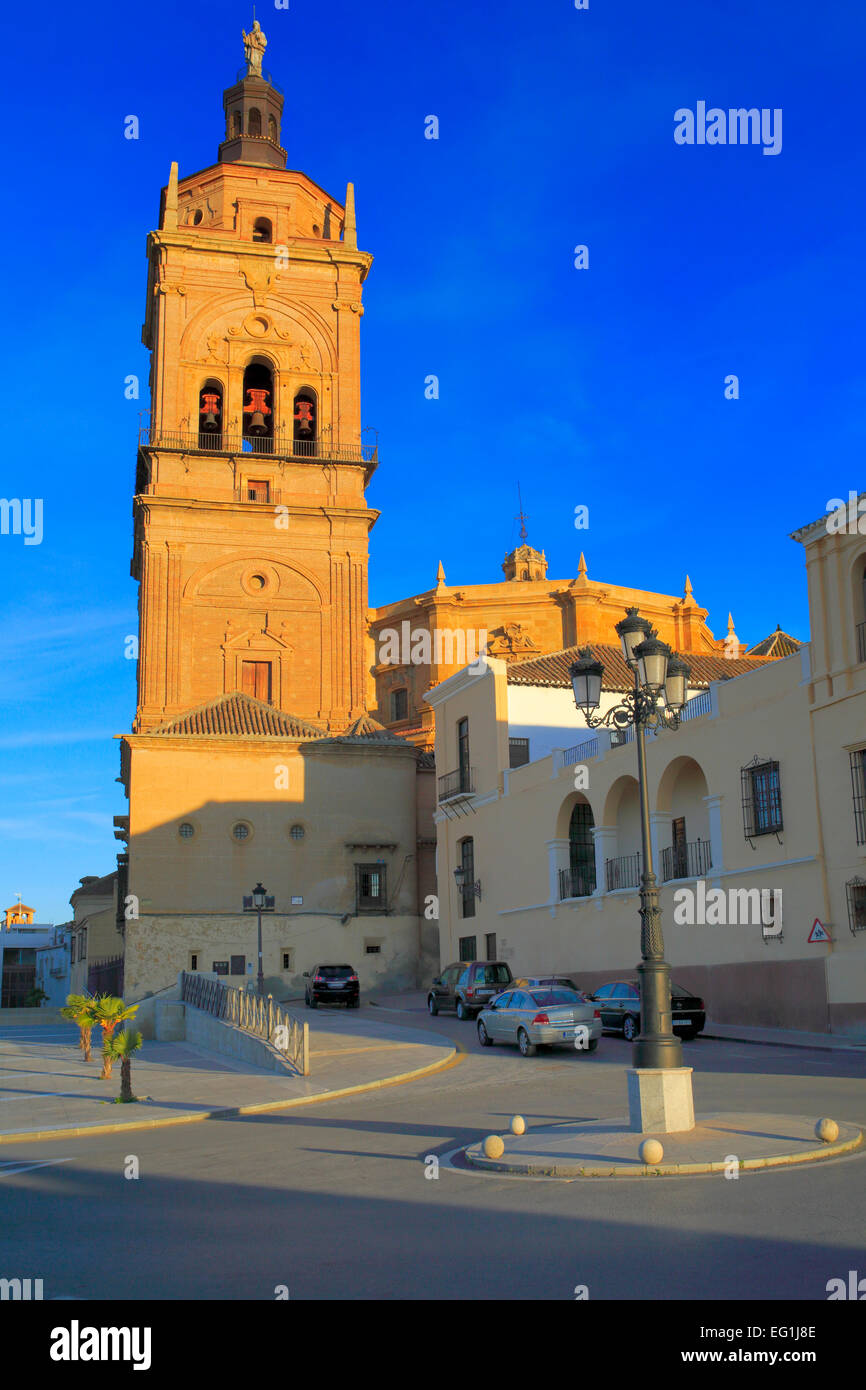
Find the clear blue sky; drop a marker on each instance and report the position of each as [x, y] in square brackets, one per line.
[602, 387]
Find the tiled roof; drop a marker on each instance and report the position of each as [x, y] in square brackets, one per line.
[239, 715]
[778, 644]
[552, 670]
[425, 759]
[368, 730]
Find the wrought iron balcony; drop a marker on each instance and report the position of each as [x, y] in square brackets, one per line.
[458, 784]
[575, 883]
[691, 859]
[622, 872]
[282, 446]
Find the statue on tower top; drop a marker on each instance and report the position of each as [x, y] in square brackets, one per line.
[255, 44]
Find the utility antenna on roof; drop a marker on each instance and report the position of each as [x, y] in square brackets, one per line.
[521, 515]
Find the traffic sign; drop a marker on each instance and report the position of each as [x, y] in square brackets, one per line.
[818, 933]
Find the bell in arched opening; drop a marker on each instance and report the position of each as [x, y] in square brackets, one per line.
[210, 415]
[305, 423]
[258, 410]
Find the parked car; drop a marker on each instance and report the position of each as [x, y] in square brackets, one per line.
[619, 1003]
[549, 982]
[538, 1018]
[329, 984]
[467, 986]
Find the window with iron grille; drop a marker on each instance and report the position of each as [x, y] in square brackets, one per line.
[238, 965]
[855, 890]
[858, 785]
[518, 752]
[399, 705]
[370, 888]
[467, 863]
[467, 948]
[220, 967]
[762, 798]
[463, 754]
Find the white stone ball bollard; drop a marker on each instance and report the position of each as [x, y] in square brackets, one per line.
[827, 1131]
[651, 1151]
[518, 1125]
[494, 1146]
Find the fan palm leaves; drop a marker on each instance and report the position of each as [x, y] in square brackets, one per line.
[79, 1010]
[121, 1047]
[108, 1012]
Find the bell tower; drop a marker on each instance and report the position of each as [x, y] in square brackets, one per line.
[251, 520]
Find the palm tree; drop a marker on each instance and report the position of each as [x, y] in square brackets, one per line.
[122, 1048]
[79, 1009]
[108, 1012]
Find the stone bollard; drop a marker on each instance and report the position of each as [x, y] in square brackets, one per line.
[651, 1152]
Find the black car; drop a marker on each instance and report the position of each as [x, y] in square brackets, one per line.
[619, 1004]
[328, 984]
[468, 986]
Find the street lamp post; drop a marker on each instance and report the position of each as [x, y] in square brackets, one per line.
[660, 686]
[259, 902]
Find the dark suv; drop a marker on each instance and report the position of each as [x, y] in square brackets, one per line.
[468, 986]
[330, 983]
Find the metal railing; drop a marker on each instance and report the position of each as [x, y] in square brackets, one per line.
[266, 76]
[861, 641]
[580, 752]
[105, 976]
[254, 446]
[574, 883]
[461, 782]
[692, 859]
[622, 872]
[696, 706]
[252, 1014]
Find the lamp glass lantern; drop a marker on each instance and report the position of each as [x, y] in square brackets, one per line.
[652, 658]
[632, 630]
[676, 683]
[460, 877]
[586, 676]
[258, 896]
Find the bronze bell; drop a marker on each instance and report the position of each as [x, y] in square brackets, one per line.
[210, 421]
[257, 423]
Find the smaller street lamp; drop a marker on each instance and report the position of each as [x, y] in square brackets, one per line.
[259, 902]
[461, 878]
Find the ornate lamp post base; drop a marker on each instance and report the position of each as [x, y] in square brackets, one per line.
[659, 1047]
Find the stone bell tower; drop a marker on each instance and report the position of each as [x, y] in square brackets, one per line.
[251, 521]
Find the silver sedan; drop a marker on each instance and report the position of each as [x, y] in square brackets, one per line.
[540, 1018]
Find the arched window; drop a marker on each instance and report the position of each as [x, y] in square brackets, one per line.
[262, 230]
[399, 705]
[272, 129]
[197, 217]
[581, 851]
[254, 121]
[305, 423]
[210, 416]
[237, 123]
[258, 408]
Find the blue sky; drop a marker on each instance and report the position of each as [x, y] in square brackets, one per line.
[602, 387]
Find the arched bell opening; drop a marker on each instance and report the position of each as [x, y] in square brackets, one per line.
[272, 130]
[210, 415]
[237, 124]
[258, 408]
[306, 423]
[262, 229]
[254, 121]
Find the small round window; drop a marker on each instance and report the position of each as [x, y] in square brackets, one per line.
[186, 830]
[241, 831]
[297, 832]
[257, 581]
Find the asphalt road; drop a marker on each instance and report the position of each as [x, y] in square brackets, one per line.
[333, 1202]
